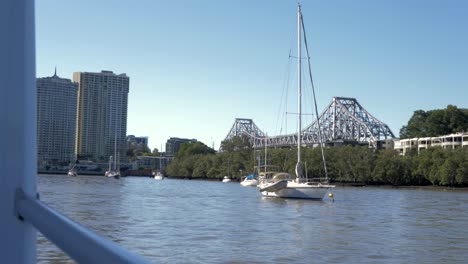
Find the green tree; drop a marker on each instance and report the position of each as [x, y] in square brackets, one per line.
[448, 171]
[416, 125]
[462, 171]
[391, 168]
[215, 170]
[193, 148]
[436, 122]
[422, 164]
[236, 143]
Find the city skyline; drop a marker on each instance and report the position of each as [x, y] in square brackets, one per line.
[198, 65]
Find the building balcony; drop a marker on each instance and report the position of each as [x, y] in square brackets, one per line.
[448, 144]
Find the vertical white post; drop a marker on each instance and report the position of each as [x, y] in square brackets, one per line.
[299, 88]
[18, 127]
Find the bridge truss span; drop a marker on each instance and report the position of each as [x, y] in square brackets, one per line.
[343, 119]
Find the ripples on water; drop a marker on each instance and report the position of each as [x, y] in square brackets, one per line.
[183, 221]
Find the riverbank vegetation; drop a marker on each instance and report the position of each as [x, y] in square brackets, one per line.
[348, 164]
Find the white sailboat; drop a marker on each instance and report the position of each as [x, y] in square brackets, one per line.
[284, 185]
[114, 166]
[158, 175]
[72, 171]
[113, 170]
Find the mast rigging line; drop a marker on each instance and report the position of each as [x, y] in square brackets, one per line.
[284, 94]
[315, 99]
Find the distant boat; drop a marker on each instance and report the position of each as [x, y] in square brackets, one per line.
[281, 184]
[72, 172]
[158, 175]
[249, 181]
[114, 167]
[226, 179]
[113, 170]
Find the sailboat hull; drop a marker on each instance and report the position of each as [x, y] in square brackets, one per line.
[272, 187]
[300, 191]
[112, 174]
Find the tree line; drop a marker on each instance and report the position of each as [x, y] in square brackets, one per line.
[348, 164]
[436, 122]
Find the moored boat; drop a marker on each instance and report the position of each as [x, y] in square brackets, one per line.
[158, 175]
[249, 180]
[226, 179]
[72, 172]
[282, 184]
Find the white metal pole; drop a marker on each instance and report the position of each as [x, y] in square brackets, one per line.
[299, 89]
[18, 166]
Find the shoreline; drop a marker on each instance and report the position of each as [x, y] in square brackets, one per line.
[338, 184]
[389, 186]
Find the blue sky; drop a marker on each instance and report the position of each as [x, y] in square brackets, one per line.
[195, 66]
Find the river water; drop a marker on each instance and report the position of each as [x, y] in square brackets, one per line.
[186, 221]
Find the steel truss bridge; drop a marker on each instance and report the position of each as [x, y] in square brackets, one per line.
[343, 119]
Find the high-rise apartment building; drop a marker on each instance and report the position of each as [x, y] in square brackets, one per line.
[173, 144]
[133, 140]
[102, 114]
[56, 120]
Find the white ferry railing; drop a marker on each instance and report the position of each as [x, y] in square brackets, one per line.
[79, 243]
[21, 212]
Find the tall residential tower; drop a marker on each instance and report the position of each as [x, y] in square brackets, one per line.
[56, 120]
[102, 114]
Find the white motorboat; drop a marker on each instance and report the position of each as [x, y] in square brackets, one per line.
[280, 184]
[226, 179]
[249, 181]
[158, 175]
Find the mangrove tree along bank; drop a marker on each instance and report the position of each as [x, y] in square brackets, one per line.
[359, 164]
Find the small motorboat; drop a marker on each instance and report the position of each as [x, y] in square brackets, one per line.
[226, 179]
[249, 181]
[158, 175]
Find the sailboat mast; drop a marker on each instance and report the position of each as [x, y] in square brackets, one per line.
[266, 148]
[299, 93]
[115, 149]
[160, 156]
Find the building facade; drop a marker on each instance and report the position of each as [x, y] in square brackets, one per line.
[56, 120]
[137, 141]
[452, 141]
[173, 145]
[102, 115]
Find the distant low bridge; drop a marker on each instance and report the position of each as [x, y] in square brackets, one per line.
[344, 118]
